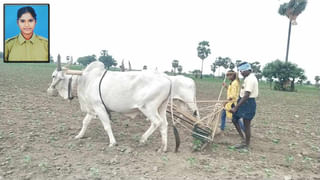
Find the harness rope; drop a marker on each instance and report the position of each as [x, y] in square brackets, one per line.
[175, 130]
[70, 97]
[108, 112]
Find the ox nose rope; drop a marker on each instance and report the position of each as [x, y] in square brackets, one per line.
[108, 112]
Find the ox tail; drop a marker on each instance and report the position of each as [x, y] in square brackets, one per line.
[177, 138]
[175, 130]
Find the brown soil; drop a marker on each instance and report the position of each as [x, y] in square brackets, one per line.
[37, 138]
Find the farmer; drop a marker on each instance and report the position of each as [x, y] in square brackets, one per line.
[26, 46]
[246, 107]
[232, 96]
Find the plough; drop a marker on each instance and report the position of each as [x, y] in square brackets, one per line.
[204, 128]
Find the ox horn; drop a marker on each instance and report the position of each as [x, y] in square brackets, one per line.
[59, 63]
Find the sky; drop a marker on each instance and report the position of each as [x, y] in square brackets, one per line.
[155, 32]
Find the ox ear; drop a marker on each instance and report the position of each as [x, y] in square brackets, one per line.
[59, 63]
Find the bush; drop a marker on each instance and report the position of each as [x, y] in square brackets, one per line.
[286, 73]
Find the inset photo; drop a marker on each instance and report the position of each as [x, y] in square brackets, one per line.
[26, 32]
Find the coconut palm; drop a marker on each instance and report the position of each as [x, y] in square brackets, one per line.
[122, 68]
[292, 9]
[175, 65]
[130, 68]
[145, 67]
[213, 68]
[232, 65]
[238, 62]
[317, 79]
[180, 69]
[226, 62]
[203, 52]
[219, 62]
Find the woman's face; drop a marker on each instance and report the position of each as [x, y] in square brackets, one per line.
[230, 77]
[26, 23]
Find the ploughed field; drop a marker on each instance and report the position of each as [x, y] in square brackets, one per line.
[37, 137]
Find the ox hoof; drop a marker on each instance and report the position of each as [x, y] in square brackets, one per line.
[78, 137]
[112, 144]
[142, 141]
[162, 150]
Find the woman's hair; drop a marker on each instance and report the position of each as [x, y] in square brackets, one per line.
[26, 9]
[235, 74]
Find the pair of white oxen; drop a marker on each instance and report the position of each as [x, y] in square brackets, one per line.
[128, 93]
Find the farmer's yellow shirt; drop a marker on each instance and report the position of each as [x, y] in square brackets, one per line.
[19, 49]
[233, 93]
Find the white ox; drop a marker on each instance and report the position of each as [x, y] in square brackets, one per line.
[184, 94]
[128, 93]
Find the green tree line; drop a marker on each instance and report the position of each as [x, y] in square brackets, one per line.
[104, 57]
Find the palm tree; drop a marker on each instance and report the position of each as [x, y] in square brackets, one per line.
[175, 64]
[145, 67]
[213, 68]
[130, 68]
[203, 52]
[122, 68]
[232, 65]
[238, 62]
[104, 52]
[226, 62]
[222, 62]
[317, 79]
[292, 9]
[180, 69]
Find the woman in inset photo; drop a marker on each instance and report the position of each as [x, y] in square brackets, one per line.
[26, 46]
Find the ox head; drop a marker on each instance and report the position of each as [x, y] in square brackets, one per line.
[60, 80]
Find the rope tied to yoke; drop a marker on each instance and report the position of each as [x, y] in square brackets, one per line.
[107, 110]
